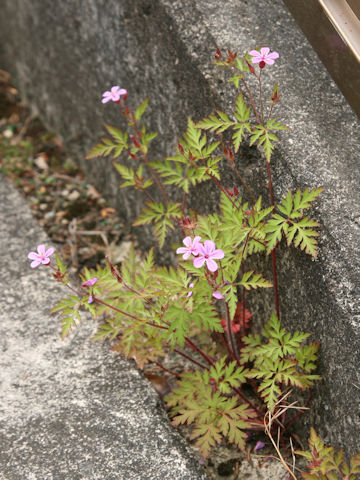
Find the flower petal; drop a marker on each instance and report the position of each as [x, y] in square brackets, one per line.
[122, 91]
[273, 55]
[35, 263]
[187, 241]
[49, 252]
[45, 261]
[115, 89]
[199, 262]
[33, 256]
[41, 249]
[106, 99]
[218, 254]
[265, 51]
[211, 265]
[269, 61]
[254, 53]
[209, 246]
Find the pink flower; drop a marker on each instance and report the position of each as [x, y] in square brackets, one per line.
[190, 247]
[90, 282]
[114, 94]
[206, 254]
[264, 56]
[218, 295]
[42, 256]
[90, 299]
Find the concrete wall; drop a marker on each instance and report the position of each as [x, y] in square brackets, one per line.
[65, 54]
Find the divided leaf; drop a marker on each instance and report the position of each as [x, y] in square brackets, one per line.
[162, 216]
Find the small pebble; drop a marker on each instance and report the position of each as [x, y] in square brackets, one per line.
[49, 215]
[74, 195]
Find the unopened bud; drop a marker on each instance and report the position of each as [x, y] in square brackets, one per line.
[251, 68]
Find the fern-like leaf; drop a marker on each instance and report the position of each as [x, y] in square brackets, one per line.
[162, 216]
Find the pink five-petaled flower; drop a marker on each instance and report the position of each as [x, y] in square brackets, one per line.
[114, 94]
[206, 254]
[191, 247]
[42, 256]
[264, 56]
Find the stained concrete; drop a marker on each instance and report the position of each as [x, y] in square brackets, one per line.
[70, 409]
[65, 55]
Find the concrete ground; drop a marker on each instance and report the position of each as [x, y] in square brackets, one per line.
[70, 409]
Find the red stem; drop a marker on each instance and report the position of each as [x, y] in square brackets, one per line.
[191, 359]
[167, 370]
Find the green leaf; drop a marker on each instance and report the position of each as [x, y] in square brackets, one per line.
[141, 109]
[59, 263]
[216, 124]
[263, 136]
[162, 216]
[296, 228]
[101, 149]
[227, 376]
[251, 280]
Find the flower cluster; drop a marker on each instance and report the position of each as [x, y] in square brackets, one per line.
[203, 253]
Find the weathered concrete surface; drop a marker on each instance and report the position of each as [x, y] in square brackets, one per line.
[70, 409]
[66, 54]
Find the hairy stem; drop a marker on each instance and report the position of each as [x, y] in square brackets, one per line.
[167, 370]
[251, 98]
[190, 359]
[261, 99]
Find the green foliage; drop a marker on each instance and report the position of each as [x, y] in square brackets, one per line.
[193, 163]
[107, 147]
[200, 399]
[263, 135]
[251, 280]
[281, 360]
[145, 310]
[222, 122]
[133, 178]
[291, 223]
[70, 316]
[326, 464]
[162, 216]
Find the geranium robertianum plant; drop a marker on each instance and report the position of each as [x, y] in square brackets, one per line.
[198, 308]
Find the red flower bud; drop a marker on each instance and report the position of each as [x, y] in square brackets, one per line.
[262, 64]
[251, 68]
